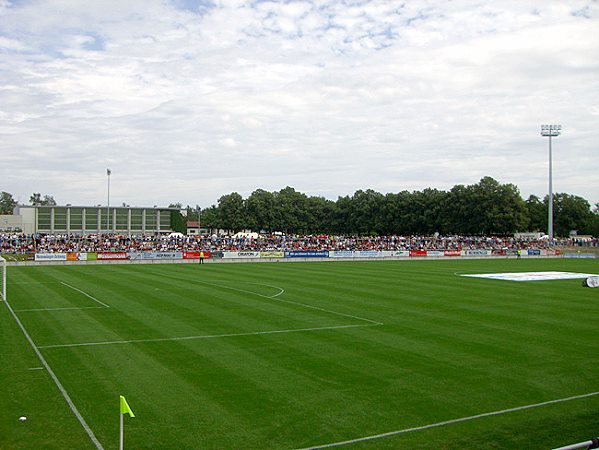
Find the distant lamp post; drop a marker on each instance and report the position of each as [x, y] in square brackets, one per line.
[108, 173]
[550, 131]
[199, 217]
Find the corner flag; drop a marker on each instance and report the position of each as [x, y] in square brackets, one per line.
[125, 409]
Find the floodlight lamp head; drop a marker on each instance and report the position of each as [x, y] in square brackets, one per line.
[551, 130]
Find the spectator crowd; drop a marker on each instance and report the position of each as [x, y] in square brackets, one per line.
[174, 242]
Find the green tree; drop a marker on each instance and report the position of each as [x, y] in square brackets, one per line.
[486, 208]
[570, 212]
[36, 199]
[593, 227]
[341, 219]
[209, 217]
[365, 213]
[231, 212]
[320, 211]
[261, 210]
[537, 213]
[429, 211]
[178, 221]
[7, 203]
[292, 213]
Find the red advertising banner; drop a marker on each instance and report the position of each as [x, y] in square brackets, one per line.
[497, 252]
[452, 253]
[195, 255]
[112, 255]
[418, 253]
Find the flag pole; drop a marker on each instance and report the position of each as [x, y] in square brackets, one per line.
[123, 409]
[121, 433]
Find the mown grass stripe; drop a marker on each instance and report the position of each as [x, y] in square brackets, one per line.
[450, 422]
[56, 381]
[209, 336]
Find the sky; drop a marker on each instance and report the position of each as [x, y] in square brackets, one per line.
[186, 101]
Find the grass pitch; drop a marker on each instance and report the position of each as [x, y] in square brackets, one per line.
[287, 356]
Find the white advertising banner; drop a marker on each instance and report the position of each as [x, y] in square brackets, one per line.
[50, 256]
[241, 255]
[396, 253]
[341, 254]
[368, 254]
[476, 252]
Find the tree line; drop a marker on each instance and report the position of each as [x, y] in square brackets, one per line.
[487, 207]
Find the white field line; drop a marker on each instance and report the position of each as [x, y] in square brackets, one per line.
[451, 422]
[208, 336]
[281, 290]
[58, 384]
[289, 301]
[59, 309]
[85, 293]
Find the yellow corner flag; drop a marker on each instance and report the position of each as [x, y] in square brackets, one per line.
[125, 409]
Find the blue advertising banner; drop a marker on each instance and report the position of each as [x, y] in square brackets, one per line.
[307, 254]
[579, 255]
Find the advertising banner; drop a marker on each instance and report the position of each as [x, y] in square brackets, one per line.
[575, 255]
[498, 252]
[106, 256]
[476, 252]
[452, 253]
[195, 255]
[533, 252]
[308, 254]
[368, 254]
[435, 253]
[341, 254]
[50, 256]
[396, 253]
[241, 255]
[72, 256]
[92, 256]
[158, 255]
[168, 255]
[417, 253]
[272, 254]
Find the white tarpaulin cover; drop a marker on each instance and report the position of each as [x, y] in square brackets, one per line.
[530, 276]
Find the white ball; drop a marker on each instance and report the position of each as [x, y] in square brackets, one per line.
[22, 418]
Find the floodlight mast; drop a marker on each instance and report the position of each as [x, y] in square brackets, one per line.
[108, 173]
[550, 131]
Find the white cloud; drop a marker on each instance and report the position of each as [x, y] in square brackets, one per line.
[328, 97]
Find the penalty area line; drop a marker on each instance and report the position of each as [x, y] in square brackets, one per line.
[84, 293]
[207, 336]
[451, 422]
[60, 309]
